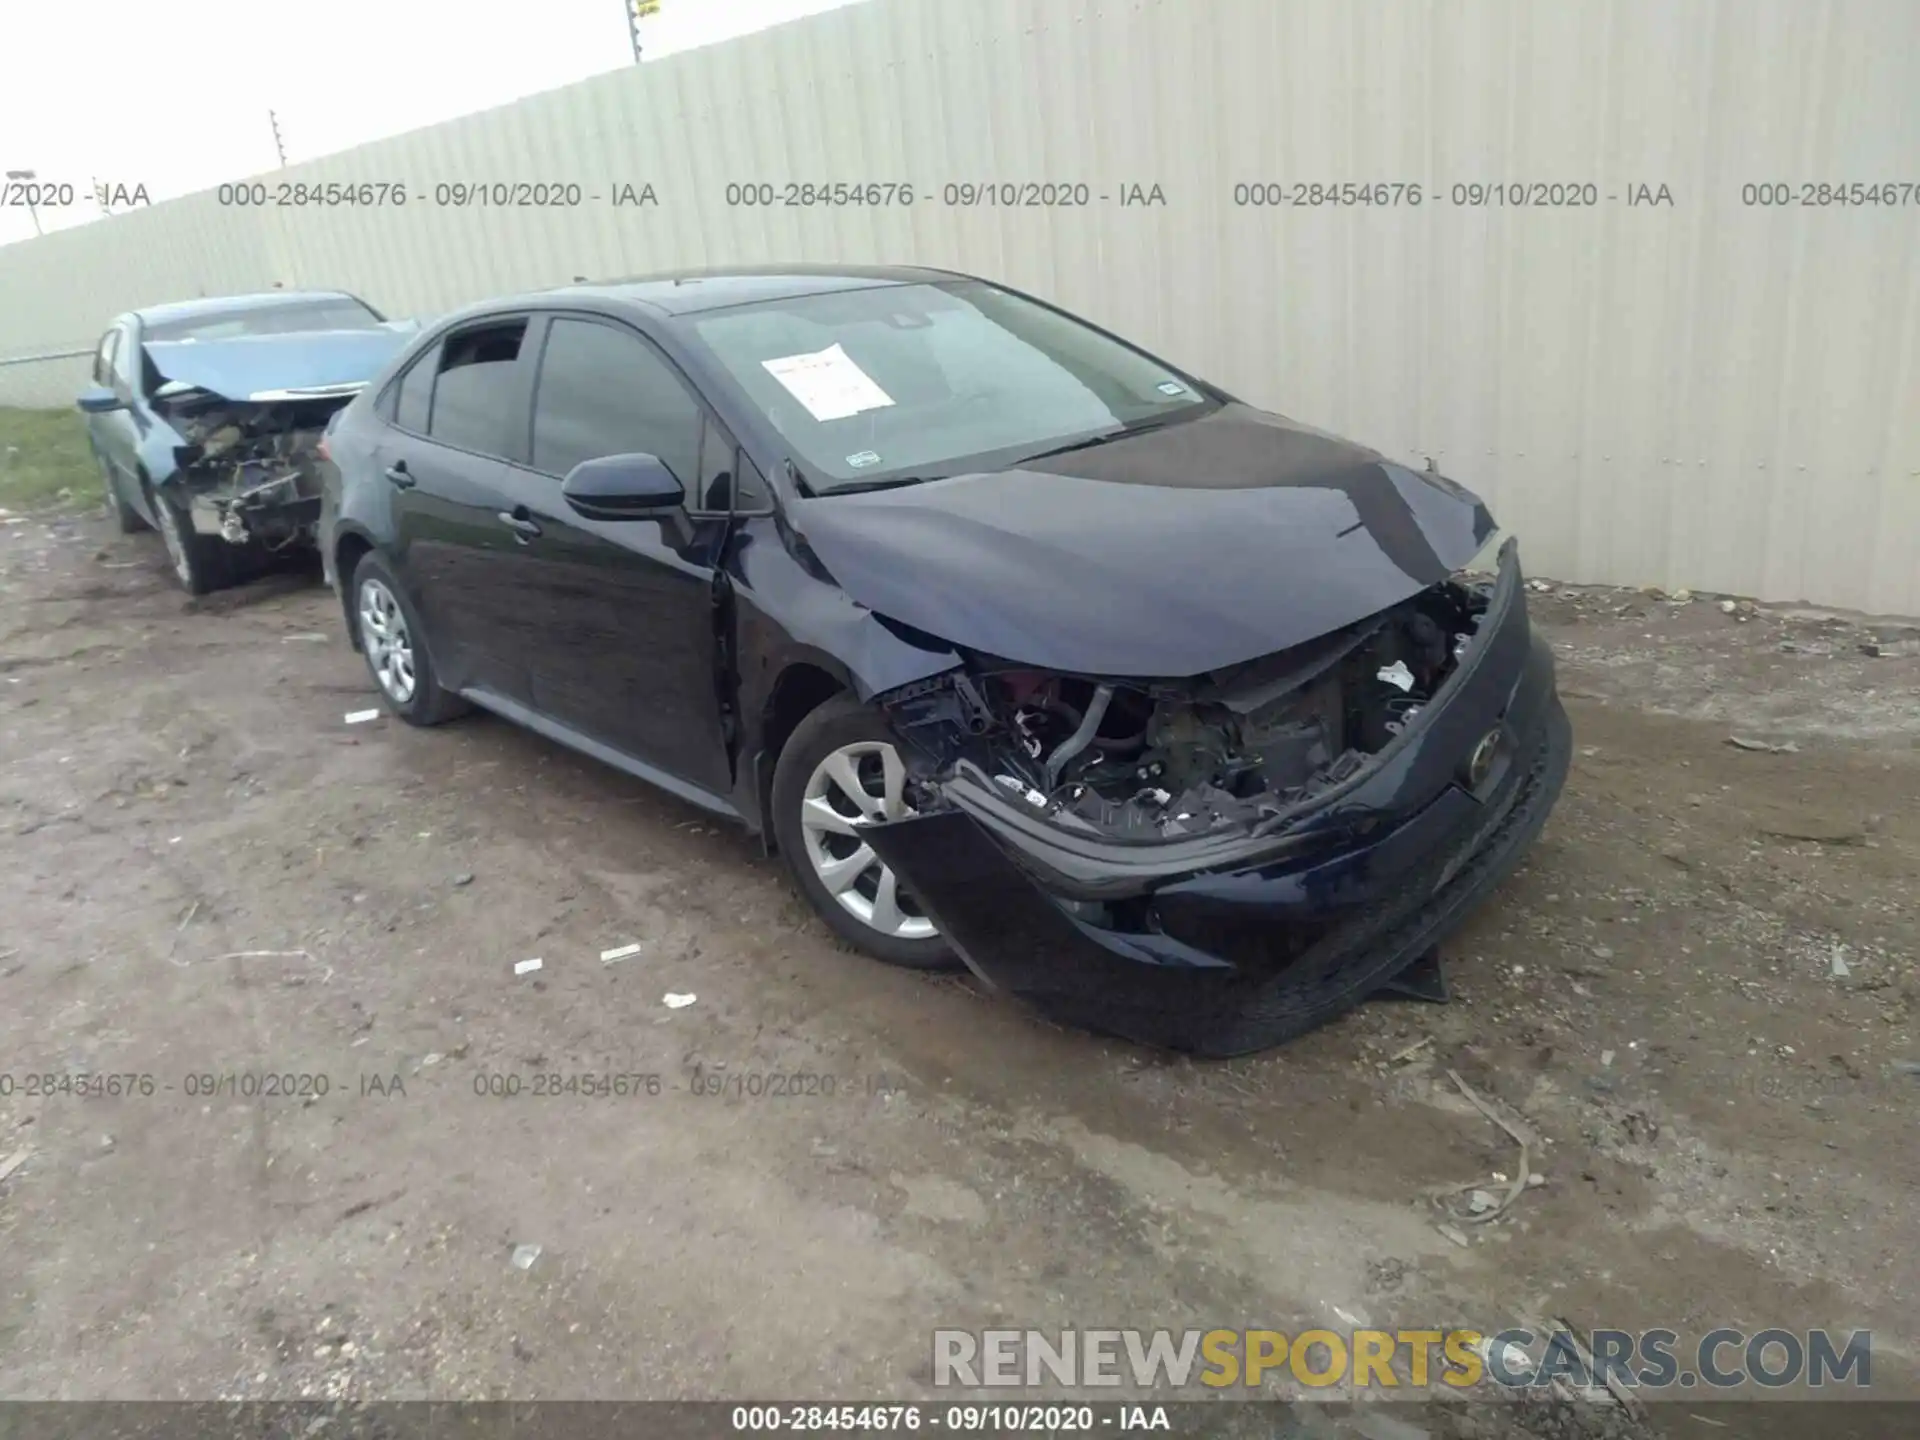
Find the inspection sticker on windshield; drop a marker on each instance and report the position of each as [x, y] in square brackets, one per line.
[863, 459]
[1172, 387]
[828, 383]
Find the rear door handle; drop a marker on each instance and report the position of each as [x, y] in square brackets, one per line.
[524, 528]
[397, 473]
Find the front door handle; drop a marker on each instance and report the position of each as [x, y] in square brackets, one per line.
[524, 527]
[397, 473]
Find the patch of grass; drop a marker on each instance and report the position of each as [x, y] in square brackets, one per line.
[45, 462]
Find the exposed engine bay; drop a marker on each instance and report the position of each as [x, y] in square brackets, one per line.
[249, 466]
[1241, 748]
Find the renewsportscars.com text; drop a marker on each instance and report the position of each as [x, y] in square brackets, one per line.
[1513, 1358]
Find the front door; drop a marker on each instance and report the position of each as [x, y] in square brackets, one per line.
[626, 647]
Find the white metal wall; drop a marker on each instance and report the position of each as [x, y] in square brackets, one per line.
[1706, 393]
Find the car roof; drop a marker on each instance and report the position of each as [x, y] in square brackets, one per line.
[225, 304]
[686, 292]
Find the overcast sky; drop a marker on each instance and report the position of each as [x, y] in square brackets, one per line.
[175, 95]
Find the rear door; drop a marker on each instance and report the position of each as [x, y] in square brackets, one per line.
[459, 410]
[626, 649]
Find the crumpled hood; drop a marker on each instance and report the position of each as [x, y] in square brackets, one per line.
[1180, 551]
[256, 366]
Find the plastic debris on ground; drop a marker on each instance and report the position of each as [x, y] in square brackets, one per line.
[360, 717]
[524, 1256]
[1765, 747]
[14, 1161]
[676, 1001]
[523, 967]
[617, 953]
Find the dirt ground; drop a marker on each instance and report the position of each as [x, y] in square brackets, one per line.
[1699, 994]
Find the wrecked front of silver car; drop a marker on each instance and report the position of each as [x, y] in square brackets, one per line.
[247, 468]
[243, 420]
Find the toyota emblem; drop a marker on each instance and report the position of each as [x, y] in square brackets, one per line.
[1480, 763]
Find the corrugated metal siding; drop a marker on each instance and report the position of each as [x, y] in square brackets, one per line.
[1709, 394]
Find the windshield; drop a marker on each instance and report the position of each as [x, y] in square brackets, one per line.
[331, 312]
[918, 381]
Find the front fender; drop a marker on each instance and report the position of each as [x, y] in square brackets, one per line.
[818, 622]
[155, 452]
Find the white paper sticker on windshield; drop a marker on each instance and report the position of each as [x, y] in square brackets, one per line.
[828, 383]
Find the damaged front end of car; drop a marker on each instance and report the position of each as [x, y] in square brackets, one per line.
[239, 450]
[1212, 862]
[248, 470]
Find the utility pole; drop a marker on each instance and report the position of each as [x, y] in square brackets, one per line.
[27, 190]
[279, 145]
[638, 10]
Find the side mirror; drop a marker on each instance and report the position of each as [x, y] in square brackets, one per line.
[98, 400]
[623, 487]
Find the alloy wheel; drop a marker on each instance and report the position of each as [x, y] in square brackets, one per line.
[856, 785]
[386, 640]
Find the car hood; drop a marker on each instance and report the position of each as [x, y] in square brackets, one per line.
[262, 367]
[1179, 551]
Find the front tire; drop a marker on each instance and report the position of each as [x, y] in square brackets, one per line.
[393, 644]
[840, 767]
[201, 563]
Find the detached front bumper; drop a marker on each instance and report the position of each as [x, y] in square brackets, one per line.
[1234, 946]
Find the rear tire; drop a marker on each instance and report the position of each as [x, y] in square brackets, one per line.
[201, 563]
[859, 898]
[393, 643]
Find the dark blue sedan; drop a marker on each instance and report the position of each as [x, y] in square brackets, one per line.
[1024, 647]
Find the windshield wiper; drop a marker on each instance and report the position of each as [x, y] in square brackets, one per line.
[1125, 432]
[863, 487]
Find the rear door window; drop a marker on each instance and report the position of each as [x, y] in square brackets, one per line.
[476, 392]
[603, 390]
